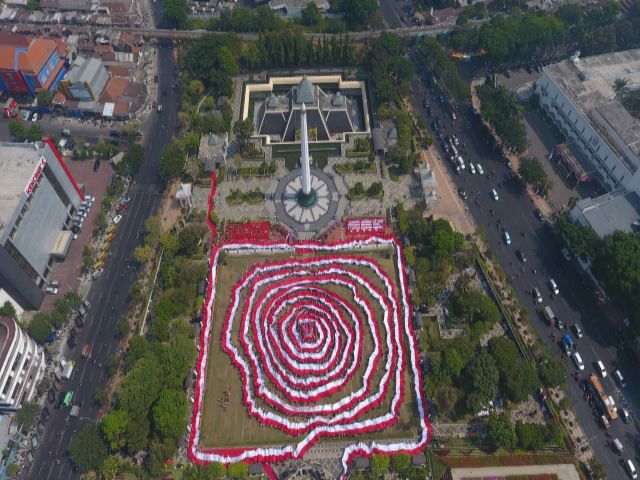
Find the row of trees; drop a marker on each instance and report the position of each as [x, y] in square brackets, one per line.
[615, 261]
[501, 433]
[533, 174]
[525, 37]
[500, 109]
[151, 407]
[391, 70]
[21, 132]
[43, 323]
[444, 68]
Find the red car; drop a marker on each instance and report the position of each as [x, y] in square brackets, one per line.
[121, 207]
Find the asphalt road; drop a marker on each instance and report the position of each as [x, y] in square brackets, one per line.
[574, 304]
[109, 295]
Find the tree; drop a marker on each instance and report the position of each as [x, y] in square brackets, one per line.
[176, 12]
[521, 383]
[142, 254]
[243, 129]
[482, 381]
[530, 435]
[170, 243]
[153, 230]
[533, 173]
[379, 465]
[39, 327]
[87, 449]
[114, 425]
[169, 413]
[551, 370]
[132, 160]
[359, 13]
[238, 471]
[375, 190]
[26, 415]
[500, 432]
[311, 14]
[400, 462]
[17, 130]
[8, 310]
[12, 470]
[505, 354]
[446, 397]
[109, 467]
[189, 238]
[620, 87]
[44, 98]
[171, 162]
[452, 362]
[100, 396]
[598, 472]
[137, 432]
[211, 471]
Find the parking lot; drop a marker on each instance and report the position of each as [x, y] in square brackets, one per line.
[94, 183]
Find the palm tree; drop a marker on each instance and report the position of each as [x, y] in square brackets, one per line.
[620, 87]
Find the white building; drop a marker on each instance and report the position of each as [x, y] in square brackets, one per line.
[578, 95]
[22, 365]
[38, 198]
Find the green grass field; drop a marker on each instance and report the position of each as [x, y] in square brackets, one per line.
[232, 426]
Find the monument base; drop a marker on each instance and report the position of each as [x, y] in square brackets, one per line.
[306, 200]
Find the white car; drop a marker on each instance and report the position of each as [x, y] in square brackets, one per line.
[601, 369]
[494, 194]
[577, 359]
[117, 219]
[98, 272]
[554, 286]
[507, 238]
[52, 290]
[480, 169]
[35, 117]
[472, 168]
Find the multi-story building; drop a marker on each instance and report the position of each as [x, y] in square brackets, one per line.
[579, 95]
[38, 197]
[22, 365]
[28, 66]
[86, 79]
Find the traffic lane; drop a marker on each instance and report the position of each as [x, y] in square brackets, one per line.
[391, 18]
[523, 280]
[88, 376]
[163, 123]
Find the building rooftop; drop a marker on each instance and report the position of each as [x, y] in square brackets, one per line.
[588, 82]
[83, 69]
[611, 212]
[18, 161]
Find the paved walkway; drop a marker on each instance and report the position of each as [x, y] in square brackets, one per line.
[563, 471]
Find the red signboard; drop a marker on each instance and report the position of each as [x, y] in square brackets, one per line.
[366, 225]
[28, 189]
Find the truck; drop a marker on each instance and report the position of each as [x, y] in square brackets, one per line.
[567, 344]
[65, 369]
[550, 316]
[606, 401]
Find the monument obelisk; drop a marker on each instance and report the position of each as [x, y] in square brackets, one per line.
[306, 196]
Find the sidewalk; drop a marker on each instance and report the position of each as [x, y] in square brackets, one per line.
[564, 471]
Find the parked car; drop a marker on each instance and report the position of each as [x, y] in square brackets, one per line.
[507, 238]
[494, 194]
[619, 378]
[480, 169]
[472, 168]
[117, 219]
[52, 290]
[35, 117]
[521, 255]
[577, 359]
[462, 193]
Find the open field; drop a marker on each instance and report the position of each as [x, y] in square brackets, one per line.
[230, 425]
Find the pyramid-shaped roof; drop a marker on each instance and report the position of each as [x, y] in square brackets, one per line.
[305, 92]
